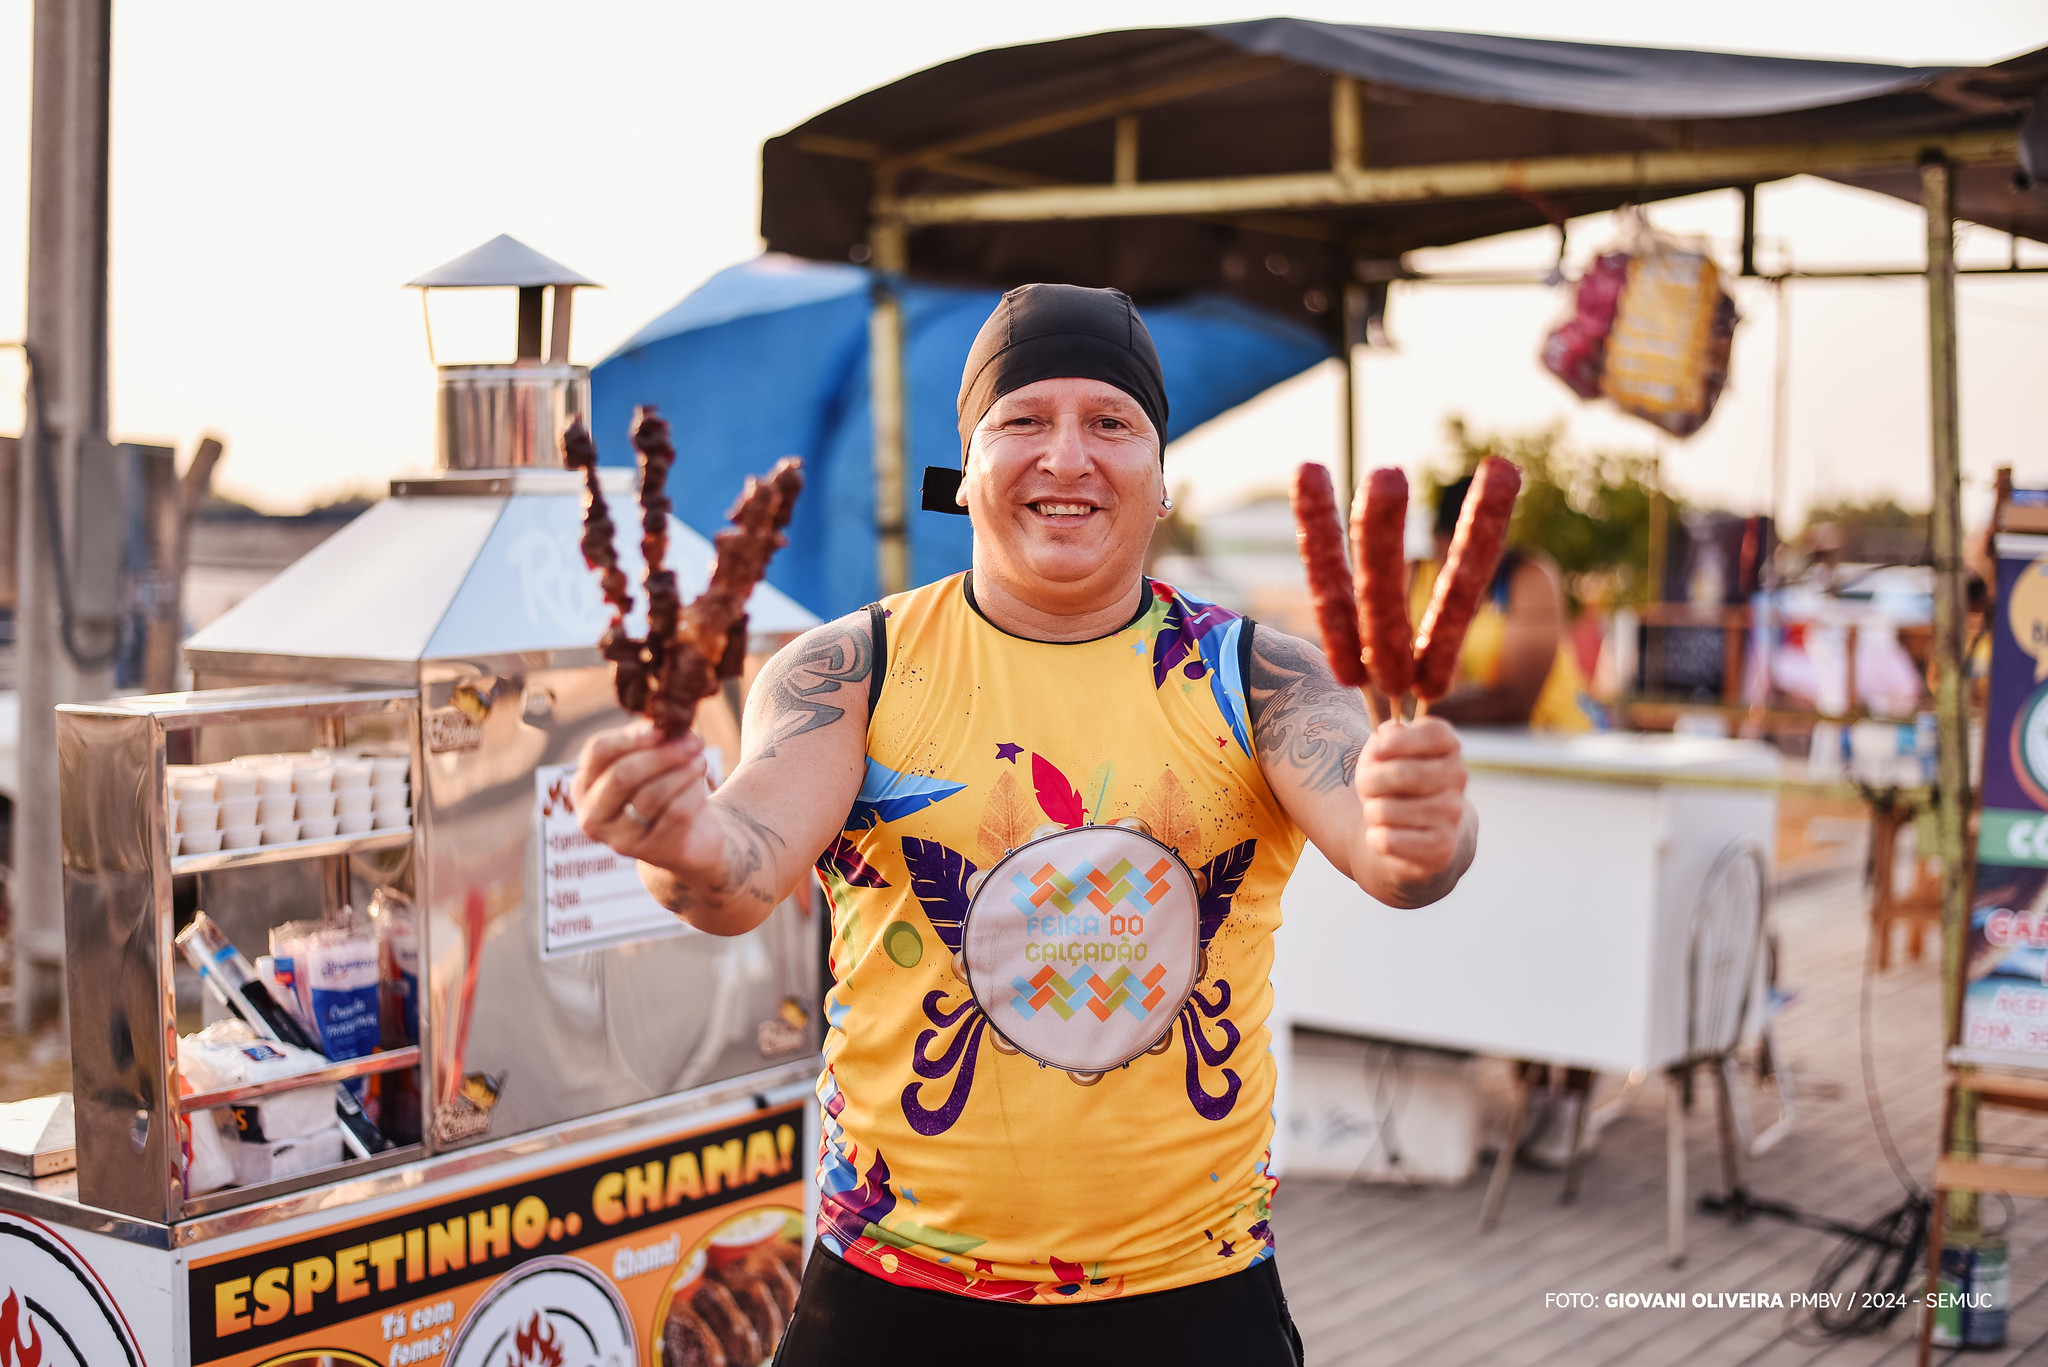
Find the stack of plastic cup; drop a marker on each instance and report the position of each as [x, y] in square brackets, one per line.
[194, 809]
[241, 790]
[352, 794]
[391, 791]
[390, 794]
[314, 783]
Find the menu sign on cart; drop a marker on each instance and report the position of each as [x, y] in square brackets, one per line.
[2005, 988]
[600, 1263]
[591, 898]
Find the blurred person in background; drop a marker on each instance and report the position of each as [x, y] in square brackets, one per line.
[1516, 668]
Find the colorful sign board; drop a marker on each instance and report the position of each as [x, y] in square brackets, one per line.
[594, 1264]
[2005, 988]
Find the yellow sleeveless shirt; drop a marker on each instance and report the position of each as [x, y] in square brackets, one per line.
[948, 1163]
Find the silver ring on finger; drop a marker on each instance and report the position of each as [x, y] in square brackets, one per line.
[636, 814]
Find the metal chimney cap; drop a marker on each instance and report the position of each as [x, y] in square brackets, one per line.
[504, 260]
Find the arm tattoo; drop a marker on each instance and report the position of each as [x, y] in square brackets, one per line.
[748, 875]
[747, 872]
[801, 679]
[1301, 716]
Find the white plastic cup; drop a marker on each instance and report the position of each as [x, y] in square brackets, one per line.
[240, 837]
[352, 801]
[192, 784]
[271, 810]
[351, 772]
[386, 770]
[199, 816]
[315, 806]
[353, 823]
[313, 778]
[239, 811]
[391, 821]
[395, 798]
[318, 828]
[236, 781]
[274, 780]
[279, 832]
[199, 842]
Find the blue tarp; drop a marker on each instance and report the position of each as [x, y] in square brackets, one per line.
[770, 358]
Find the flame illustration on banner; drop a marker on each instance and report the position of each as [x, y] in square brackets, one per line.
[535, 1345]
[15, 1350]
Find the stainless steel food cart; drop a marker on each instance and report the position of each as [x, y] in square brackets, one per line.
[612, 1106]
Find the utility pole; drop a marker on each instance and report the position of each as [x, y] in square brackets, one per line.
[57, 649]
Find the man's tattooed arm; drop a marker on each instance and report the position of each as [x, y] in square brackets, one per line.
[803, 749]
[1402, 829]
[814, 681]
[1303, 720]
[745, 886]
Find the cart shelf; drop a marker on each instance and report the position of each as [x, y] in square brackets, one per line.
[296, 849]
[386, 1061]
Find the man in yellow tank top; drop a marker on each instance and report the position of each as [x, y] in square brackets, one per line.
[1053, 803]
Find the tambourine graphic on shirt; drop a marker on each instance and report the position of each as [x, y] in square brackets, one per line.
[1081, 947]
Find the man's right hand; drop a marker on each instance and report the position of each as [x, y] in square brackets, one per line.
[646, 797]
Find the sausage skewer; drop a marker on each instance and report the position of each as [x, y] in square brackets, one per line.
[1364, 618]
[1469, 568]
[689, 648]
[1379, 524]
[1319, 533]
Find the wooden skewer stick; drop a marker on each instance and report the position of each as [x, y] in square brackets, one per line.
[1373, 711]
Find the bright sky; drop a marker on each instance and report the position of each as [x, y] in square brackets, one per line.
[280, 170]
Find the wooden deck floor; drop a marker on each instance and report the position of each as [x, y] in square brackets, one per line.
[1379, 1276]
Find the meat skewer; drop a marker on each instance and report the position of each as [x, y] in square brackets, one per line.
[688, 649]
[1476, 548]
[1373, 603]
[580, 453]
[664, 602]
[601, 554]
[1319, 533]
[1379, 526]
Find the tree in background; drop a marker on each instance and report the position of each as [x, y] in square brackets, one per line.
[1587, 510]
[1875, 533]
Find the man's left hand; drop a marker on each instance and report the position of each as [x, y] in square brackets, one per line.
[1419, 831]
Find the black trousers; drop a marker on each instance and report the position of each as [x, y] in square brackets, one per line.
[849, 1318]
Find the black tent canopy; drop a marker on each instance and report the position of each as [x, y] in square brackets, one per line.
[1272, 157]
[1293, 163]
